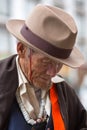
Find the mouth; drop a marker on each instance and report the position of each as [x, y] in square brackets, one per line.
[46, 79]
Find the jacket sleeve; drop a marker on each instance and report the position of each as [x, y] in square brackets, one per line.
[8, 86]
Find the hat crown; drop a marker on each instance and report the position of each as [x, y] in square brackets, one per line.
[51, 31]
[54, 25]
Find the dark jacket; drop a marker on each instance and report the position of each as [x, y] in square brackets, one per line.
[73, 113]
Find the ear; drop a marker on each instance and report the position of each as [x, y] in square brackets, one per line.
[21, 49]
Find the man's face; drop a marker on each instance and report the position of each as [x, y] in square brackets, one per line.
[42, 70]
[39, 69]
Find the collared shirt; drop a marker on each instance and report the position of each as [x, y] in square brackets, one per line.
[57, 79]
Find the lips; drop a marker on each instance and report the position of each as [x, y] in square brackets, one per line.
[46, 79]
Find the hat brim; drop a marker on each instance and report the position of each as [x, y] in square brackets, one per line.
[75, 59]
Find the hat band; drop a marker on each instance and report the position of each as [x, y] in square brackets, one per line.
[43, 44]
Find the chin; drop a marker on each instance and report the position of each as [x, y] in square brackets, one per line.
[41, 85]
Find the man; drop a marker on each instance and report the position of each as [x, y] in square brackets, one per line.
[32, 95]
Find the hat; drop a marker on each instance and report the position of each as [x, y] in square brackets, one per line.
[51, 31]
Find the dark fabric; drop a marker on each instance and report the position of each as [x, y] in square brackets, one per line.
[72, 111]
[39, 126]
[16, 120]
[8, 86]
[50, 123]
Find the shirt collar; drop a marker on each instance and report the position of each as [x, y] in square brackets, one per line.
[57, 79]
[21, 77]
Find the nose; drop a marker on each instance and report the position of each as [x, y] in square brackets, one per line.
[51, 70]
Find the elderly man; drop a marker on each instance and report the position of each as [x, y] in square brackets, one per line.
[32, 95]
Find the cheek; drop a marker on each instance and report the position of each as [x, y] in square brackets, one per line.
[36, 66]
[27, 68]
[39, 69]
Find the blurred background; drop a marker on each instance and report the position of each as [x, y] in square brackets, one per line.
[19, 9]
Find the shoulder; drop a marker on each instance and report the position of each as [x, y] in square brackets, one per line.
[7, 65]
[64, 87]
[7, 61]
[68, 93]
[60, 82]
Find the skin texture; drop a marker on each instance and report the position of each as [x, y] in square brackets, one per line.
[37, 68]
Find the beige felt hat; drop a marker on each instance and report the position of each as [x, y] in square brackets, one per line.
[51, 31]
